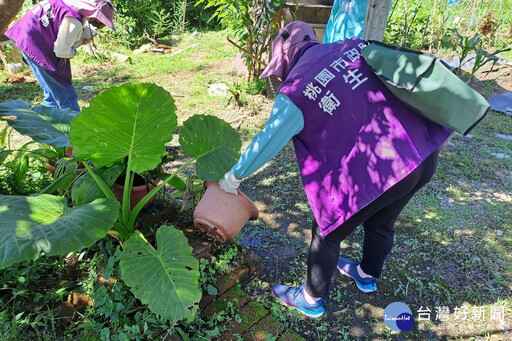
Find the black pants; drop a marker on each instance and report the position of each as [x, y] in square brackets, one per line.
[378, 220]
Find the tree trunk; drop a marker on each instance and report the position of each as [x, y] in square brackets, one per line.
[9, 9]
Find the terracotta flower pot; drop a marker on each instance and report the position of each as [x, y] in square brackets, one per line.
[50, 164]
[138, 192]
[222, 215]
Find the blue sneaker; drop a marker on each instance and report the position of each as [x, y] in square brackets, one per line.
[294, 297]
[349, 268]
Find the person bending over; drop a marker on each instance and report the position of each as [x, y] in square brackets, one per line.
[48, 35]
[362, 155]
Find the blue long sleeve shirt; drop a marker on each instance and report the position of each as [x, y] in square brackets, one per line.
[345, 22]
[285, 121]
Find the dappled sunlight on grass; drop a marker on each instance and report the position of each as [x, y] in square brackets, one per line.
[302, 206]
[432, 215]
[268, 181]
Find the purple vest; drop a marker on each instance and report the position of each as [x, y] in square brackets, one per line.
[358, 139]
[35, 33]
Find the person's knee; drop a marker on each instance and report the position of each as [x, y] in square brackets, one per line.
[379, 226]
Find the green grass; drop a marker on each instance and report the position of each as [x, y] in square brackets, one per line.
[424, 26]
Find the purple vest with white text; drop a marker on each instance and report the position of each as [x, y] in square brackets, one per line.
[35, 34]
[358, 139]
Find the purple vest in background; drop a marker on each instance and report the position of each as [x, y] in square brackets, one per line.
[35, 33]
[358, 139]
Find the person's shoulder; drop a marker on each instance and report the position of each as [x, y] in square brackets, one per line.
[76, 23]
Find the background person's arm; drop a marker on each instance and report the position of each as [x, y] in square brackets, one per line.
[70, 31]
[285, 121]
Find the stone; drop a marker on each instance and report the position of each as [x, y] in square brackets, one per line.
[121, 57]
[467, 136]
[237, 274]
[194, 36]
[268, 325]
[206, 299]
[218, 89]
[143, 49]
[501, 155]
[235, 295]
[290, 335]
[254, 262]
[14, 68]
[505, 137]
[214, 307]
[200, 246]
[250, 315]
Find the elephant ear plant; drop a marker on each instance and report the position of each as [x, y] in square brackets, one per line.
[47, 126]
[126, 126]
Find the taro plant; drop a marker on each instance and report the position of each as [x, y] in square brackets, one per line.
[48, 128]
[124, 127]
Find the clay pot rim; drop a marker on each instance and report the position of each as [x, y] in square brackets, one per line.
[252, 206]
[137, 188]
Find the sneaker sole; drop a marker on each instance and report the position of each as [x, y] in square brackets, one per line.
[366, 291]
[300, 310]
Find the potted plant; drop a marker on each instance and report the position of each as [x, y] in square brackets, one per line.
[124, 129]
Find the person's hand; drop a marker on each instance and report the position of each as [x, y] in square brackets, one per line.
[230, 183]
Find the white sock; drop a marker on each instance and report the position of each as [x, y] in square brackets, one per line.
[362, 273]
[310, 299]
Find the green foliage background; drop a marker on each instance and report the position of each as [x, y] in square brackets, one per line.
[157, 18]
[420, 24]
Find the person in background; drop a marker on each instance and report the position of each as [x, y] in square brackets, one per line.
[362, 155]
[48, 36]
[346, 20]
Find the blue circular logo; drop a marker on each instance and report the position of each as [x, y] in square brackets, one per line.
[398, 317]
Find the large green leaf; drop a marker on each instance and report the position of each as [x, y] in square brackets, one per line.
[4, 154]
[132, 120]
[42, 124]
[29, 225]
[85, 189]
[165, 279]
[64, 175]
[214, 143]
[14, 104]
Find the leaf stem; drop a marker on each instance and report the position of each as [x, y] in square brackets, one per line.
[127, 191]
[99, 181]
[135, 212]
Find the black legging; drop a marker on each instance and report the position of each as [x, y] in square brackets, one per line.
[378, 220]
